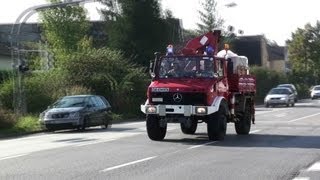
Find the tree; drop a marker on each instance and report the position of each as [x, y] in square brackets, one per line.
[304, 54]
[65, 28]
[136, 28]
[209, 17]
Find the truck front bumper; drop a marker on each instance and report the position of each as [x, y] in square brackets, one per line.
[186, 110]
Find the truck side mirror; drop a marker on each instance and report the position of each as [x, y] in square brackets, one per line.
[151, 69]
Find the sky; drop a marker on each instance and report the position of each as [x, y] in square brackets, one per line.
[276, 19]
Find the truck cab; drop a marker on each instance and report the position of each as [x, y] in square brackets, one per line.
[192, 88]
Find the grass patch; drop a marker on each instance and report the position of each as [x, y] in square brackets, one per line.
[26, 124]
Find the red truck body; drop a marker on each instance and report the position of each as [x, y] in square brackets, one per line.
[202, 88]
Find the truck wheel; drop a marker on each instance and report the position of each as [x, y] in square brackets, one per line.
[192, 129]
[244, 125]
[217, 125]
[155, 131]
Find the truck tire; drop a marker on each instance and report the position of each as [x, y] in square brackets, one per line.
[244, 125]
[190, 130]
[154, 130]
[217, 124]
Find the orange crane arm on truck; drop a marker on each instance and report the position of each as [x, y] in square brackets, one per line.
[198, 44]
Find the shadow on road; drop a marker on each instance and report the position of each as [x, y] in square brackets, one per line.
[255, 140]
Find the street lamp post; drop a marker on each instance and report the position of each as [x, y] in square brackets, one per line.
[19, 101]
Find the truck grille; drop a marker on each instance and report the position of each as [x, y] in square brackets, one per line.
[180, 98]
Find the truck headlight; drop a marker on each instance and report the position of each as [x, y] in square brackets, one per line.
[201, 110]
[151, 109]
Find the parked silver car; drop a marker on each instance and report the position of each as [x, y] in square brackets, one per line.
[293, 89]
[78, 111]
[279, 96]
[315, 92]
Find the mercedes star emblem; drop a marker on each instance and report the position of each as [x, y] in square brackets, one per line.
[177, 97]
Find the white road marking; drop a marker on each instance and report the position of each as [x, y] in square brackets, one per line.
[314, 167]
[14, 156]
[270, 111]
[128, 164]
[130, 124]
[193, 147]
[305, 117]
[96, 142]
[301, 178]
[255, 131]
[281, 115]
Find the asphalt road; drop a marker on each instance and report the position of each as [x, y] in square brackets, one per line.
[283, 144]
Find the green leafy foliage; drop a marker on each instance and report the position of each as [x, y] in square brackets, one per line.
[65, 28]
[7, 119]
[304, 54]
[28, 124]
[107, 72]
[5, 75]
[137, 28]
[266, 79]
[6, 94]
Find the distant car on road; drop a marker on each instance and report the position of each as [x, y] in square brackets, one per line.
[279, 96]
[315, 92]
[293, 89]
[80, 111]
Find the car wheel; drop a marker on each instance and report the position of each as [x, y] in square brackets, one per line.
[84, 124]
[50, 129]
[107, 123]
[267, 105]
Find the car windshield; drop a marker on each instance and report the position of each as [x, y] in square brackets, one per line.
[67, 102]
[178, 67]
[286, 86]
[279, 91]
[317, 88]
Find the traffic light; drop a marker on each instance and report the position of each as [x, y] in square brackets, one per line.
[23, 66]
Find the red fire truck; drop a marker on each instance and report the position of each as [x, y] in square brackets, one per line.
[197, 85]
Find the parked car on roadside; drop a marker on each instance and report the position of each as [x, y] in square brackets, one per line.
[315, 92]
[79, 111]
[293, 89]
[279, 96]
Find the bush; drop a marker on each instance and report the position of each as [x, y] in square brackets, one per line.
[106, 72]
[5, 75]
[266, 79]
[7, 119]
[27, 124]
[6, 94]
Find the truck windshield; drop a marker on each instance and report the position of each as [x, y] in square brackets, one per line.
[179, 66]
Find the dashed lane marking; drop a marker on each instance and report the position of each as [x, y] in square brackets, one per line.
[128, 164]
[255, 131]
[301, 178]
[197, 146]
[96, 142]
[305, 117]
[270, 111]
[14, 156]
[314, 167]
[281, 115]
